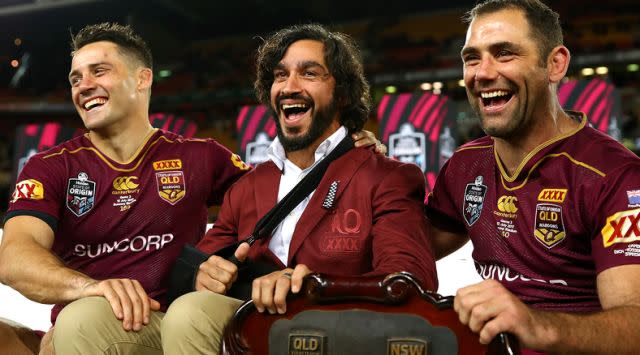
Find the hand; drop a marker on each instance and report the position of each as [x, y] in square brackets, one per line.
[129, 301]
[218, 274]
[270, 291]
[46, 344]
[488, 308]
[365, 138]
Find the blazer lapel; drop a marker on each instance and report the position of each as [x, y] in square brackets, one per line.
[341, 170]
[267, 184]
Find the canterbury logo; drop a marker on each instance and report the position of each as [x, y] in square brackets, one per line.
[507, 204]
[125, 183]
[173, 164]
[552, 195]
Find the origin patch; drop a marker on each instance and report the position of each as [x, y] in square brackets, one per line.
[473, 200]
[171, 186]
[549, 225]
[81, 194]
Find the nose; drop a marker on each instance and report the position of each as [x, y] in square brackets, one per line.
[85, 85]
[486, 70]
[291, 85]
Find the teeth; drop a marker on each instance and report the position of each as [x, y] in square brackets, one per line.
[488, 95]
[288, 106]
[93, 102]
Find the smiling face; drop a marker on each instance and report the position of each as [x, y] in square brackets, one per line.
[105, 85]
[504, 75]
[302, 96]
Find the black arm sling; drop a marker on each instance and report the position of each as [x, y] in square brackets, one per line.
[184, 271]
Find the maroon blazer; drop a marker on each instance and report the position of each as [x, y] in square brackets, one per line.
[376, 225]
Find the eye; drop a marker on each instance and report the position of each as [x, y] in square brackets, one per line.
[470, 59]
[310, 74]
[280, 75]
[100, 71]
[504, 54]
[74, 81]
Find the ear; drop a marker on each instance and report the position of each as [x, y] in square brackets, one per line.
[558, 63]
[145, 78]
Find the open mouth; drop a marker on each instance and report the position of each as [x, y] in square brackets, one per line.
[495, 99]
[294, 111]
[94, 103]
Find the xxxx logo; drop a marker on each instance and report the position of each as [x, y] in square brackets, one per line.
[122, 183]
[28, 189]
[172, 164]
[622, 227]
[552, 195]
[507, 204]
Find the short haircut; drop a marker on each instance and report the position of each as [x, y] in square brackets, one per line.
[343, 59]
[544, 23]
[128, 42]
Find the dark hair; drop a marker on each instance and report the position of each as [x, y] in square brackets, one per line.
[544, 23]
[343, 60]
[123, 36]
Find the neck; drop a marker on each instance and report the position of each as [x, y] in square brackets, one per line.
[121, 143]
[513, 151]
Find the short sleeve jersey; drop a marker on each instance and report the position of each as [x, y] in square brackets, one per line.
[131, 220]
[570, 210]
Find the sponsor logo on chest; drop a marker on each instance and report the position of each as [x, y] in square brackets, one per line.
[473, 200]
[125, 187]
[81, 194]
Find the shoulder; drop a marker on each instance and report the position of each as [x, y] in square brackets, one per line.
[599, 151]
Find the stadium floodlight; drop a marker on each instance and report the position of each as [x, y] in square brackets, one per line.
[633, 67]
[437, 85]
[426, 86]
[165, 73]
[461, 83]
[602, 70]
[391, 89]
[587, 71]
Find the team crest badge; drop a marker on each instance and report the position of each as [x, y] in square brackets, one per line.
[408, 146]
[549, 226]
[81, 194]
[171, 186]
[473, 200]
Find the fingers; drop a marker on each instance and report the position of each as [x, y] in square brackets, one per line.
[297, 277]
[381, 148]
[242, 251]
[129, 302]
[364, 138]
[269, 293]
[216, 275]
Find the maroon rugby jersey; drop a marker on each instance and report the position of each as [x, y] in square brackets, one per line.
[130, 220]
[570, 211]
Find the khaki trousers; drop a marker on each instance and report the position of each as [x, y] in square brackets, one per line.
[193, 324]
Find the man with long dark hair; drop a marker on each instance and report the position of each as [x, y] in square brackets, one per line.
[364, 218]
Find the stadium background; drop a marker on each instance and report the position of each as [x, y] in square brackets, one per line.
[203, 67]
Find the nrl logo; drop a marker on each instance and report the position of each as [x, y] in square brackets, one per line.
[473, 200]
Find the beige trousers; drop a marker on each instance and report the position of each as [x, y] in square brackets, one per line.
[193, 324]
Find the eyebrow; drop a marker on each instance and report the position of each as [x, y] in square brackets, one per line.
[301, 65]
[493, 47]
[76, 72]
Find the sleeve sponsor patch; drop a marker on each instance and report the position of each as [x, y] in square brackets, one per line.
[30, 189]
[238, 163]
[621, 227]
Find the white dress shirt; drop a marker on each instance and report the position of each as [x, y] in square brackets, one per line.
[291, 175]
